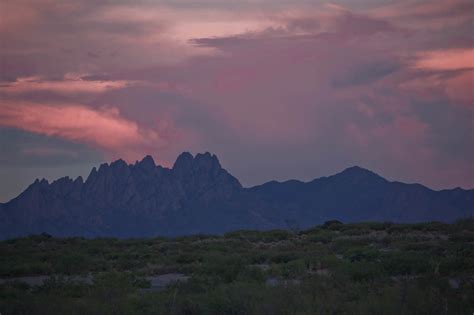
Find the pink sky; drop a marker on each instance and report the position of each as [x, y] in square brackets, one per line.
[277, 89]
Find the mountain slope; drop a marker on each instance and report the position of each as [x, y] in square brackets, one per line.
[357, 194]
[198, 196]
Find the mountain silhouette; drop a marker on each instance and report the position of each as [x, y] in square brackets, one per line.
[198, 196]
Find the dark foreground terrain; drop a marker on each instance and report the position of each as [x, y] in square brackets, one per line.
[365, 268]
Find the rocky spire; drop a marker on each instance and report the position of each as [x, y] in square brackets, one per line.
[147, 163]
[183, 164]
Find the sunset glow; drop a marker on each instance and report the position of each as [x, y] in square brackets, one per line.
[310, 86]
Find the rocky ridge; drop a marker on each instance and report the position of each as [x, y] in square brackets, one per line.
[197, 195]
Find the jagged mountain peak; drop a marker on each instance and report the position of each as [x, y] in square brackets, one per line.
[198, 195]
[40, 182]
[203, 171]
[147, 163]
[207, 159]
[207, 162]
[118, 163]
[186, 163]
[79, 180]
[63, 179]
[103, 168]
[92, 174]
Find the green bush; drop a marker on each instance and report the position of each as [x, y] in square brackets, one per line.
[361, 270]
[275, 235]
[405, 263]
[71, 263]
[323, 236]
[333, 225]
[364, 253]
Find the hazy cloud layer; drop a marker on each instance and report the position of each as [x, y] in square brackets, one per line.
[278, 89]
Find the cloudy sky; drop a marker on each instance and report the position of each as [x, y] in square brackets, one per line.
[278, 89]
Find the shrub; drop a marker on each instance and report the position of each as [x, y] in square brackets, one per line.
[333, 225]
[361, 271]
[365, 253]
[323, 236]
[275, 235]
[405, 263]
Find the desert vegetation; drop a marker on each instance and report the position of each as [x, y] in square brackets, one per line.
[335, 268]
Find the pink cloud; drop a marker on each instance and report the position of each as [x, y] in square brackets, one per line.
[446, 59]
[65, 86]
[461, 88]
[102, 128]
[423, 15]
[454, 85]
[73, 84]
[23, 17]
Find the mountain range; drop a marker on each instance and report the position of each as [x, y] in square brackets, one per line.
[198, 196]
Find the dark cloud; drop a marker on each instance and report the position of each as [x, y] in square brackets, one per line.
[24, 149]
[27, 156]
[366, 73]
[356, 24]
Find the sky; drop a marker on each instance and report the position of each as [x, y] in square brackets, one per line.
[277, 89]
